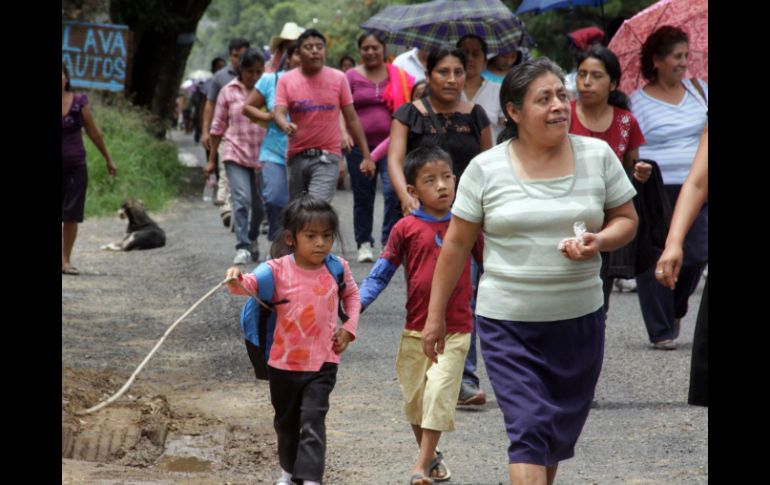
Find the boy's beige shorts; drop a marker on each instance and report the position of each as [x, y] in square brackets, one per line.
[431, 390]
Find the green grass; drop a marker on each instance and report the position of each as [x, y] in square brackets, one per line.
[148, 167]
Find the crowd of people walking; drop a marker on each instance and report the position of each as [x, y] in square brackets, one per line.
[512, 193]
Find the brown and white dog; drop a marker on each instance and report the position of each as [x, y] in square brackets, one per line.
[142, 231]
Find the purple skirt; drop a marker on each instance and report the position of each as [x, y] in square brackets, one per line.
[544, 375]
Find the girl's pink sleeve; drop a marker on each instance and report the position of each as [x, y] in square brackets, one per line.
[249, 281]
[381, 150]
[351, 301]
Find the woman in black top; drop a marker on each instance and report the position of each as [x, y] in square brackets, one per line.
[442, 118]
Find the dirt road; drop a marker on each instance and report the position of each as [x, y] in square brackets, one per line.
[196, 415]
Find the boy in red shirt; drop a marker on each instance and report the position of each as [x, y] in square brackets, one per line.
[430, 390]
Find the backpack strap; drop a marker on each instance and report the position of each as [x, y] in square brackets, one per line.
[334, 265]
[265, 290]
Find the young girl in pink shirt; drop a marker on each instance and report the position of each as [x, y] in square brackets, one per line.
[302, 368]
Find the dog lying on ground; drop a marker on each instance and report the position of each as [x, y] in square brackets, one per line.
[142, 231]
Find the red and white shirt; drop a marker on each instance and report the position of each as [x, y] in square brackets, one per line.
[623, 134]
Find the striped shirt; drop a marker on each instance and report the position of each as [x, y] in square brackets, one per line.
[526, 278]
[672, 131]
[241, 138]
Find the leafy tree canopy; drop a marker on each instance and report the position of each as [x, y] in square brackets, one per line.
[339, 20]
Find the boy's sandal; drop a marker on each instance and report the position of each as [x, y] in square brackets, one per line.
[422, 479]
[438, 466]
[70, 270]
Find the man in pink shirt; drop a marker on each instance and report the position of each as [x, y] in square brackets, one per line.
[314, 95]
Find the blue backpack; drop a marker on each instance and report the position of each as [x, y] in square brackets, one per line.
[258, 321]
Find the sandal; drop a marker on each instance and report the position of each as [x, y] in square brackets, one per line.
[70, 270]
[438, 466]
[423, 480]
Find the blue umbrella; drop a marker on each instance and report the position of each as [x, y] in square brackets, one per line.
[433, 24]
[537, 6]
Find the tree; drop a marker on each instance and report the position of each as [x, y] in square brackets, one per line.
[163, 33]
[549, 29]
[259, 20]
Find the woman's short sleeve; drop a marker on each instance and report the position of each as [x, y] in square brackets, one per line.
[468, 203]
[266, 87]
[479, 116]
[409, 115]
[80, 100]
[617, 186]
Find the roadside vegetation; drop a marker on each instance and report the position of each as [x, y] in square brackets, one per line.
[148, 168]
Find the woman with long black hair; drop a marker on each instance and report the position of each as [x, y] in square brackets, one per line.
[602, 111]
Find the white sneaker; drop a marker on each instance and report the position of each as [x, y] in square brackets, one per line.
[625, 285]
[242, 256]
[365, 254]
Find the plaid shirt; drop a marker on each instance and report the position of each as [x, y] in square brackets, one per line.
[241, 137]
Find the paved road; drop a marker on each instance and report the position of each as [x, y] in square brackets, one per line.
[640, 430]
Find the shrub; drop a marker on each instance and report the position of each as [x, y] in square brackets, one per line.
[148, 166]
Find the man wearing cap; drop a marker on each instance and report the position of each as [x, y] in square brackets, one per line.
[278, 44]
[236, 49]
[314, 95]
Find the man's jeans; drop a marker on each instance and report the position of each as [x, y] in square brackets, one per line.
[317, 175]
